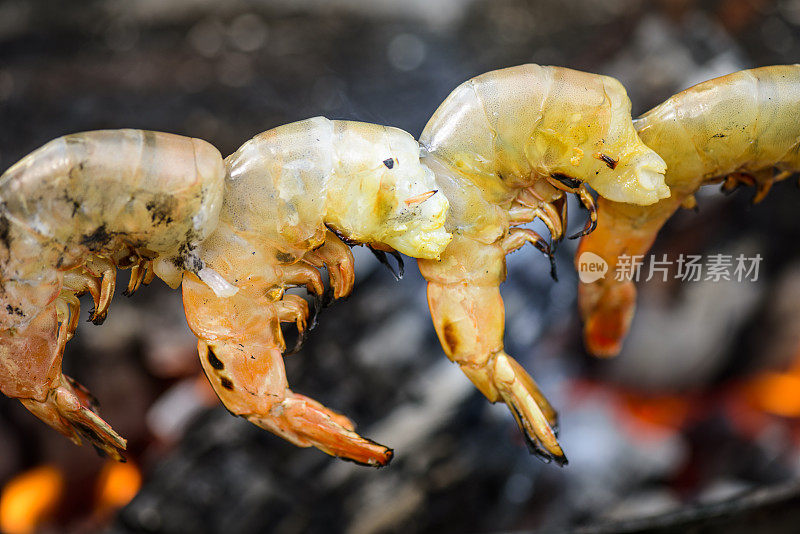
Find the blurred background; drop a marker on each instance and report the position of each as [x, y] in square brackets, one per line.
[694, 428]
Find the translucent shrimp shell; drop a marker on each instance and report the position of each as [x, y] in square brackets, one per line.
[745, 121]
[285, 185]
[137, 185]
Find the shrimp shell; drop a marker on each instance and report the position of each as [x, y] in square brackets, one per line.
[102, 192]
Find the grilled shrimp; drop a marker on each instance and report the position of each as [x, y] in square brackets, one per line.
[295, 196]
[739, 129]
[505, 148]
[71, 213]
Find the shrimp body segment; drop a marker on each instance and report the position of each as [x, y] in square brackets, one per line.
[739, 129]
[505, 148]
[71, 213]
[294, 196]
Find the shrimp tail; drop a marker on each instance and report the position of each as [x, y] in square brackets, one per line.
[30, 370]
[607, 305]
[240, 347]
[607, 311]
[469, 317]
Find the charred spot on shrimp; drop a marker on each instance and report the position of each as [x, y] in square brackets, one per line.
[610, 162]
[226, 383]
[194, 263]
[97, 239]
[75, 204]
[149, 138]
[187, 258]
[161, 209]
[5, 231]
[284, 257]
[213, 361]
[450, 337]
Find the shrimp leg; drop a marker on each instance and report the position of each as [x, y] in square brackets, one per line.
[469, 318]
[338, 259]
[105, 271]
[240, 350]
[293, 309]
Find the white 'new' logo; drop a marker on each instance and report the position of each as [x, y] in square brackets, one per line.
[591, 267]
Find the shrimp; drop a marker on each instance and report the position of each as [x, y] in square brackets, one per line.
[71, 213]
[505, 148]
[295, 197]
[739, 129]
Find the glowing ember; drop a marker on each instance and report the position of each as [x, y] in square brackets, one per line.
[776, 393]
[117, 485]
[29, 498]
[669, 411]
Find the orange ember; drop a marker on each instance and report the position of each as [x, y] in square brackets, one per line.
[775, 393]
[670, 411]
[29, 498]
[117, 485]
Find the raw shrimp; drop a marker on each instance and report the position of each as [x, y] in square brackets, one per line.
[505, 147]
[71, 213]
[739, 129]
[294, 197]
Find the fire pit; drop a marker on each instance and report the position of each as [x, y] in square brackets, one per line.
[694, 428]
